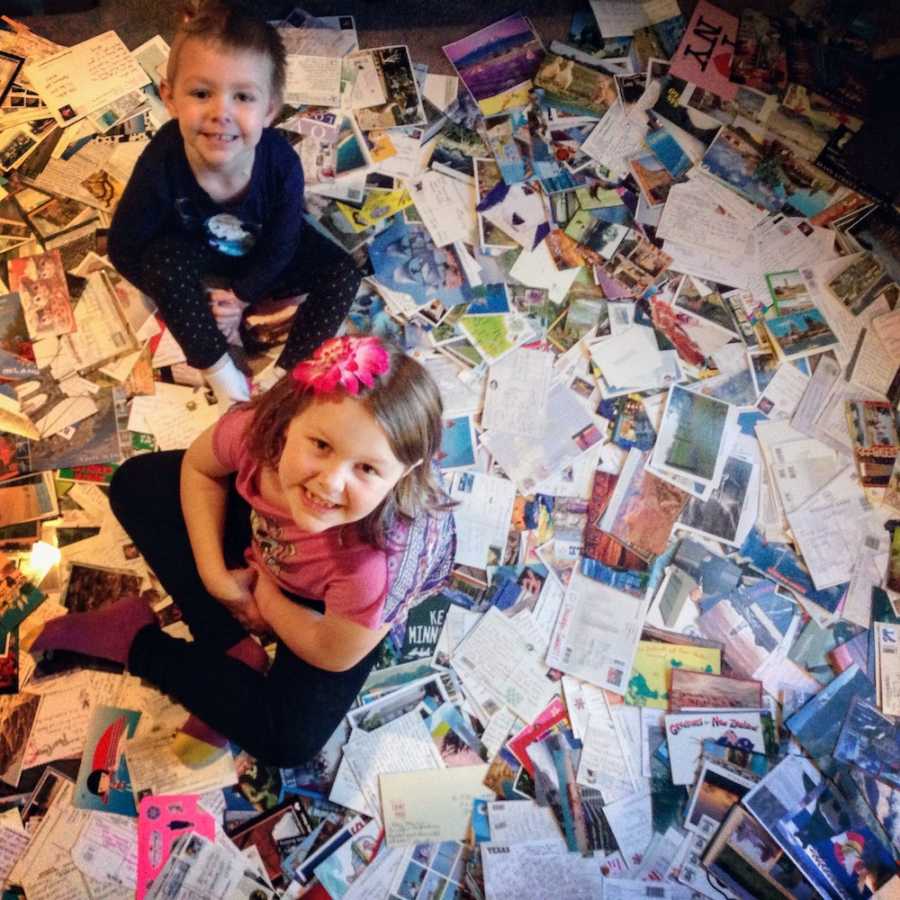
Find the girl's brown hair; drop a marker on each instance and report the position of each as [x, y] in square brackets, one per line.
[405, 402]
[232, 29]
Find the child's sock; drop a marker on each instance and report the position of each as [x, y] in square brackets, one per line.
[229, 384]
[251, 654]
[107, 633]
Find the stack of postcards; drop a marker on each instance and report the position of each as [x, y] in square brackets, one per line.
[661, 307]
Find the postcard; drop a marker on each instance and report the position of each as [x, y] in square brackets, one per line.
[28, 499]
[430, 870]
[509, 139]
[696, 690]
[497, 63]
[731, 509]
[160, 821]
[643, 508]
[518, 210]
[342, 867]
[103, 781]
[873, 430]
[616, 139]
[88, 75]
[501, 661]
[887, 658]
[834, 851]
[704, 56]
[859, 284]
[494, 336]
[198, 866]
[457, 444]
[490, 236]
[745, 858]
[430, 807]
[512, 870]
[818, 723]
[654, 664]
[574, 88]
[718, 788]
[405, 259]
[869, 740]
[17, 717]
[446, 207]
[10, 64]
[596, 634]
[313, 80]
[693, 436]
[276, 833]
[403, 106]
[44, 294]
[402, 745]
[685, 733]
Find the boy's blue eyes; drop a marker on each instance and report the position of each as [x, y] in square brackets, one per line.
[242, 97]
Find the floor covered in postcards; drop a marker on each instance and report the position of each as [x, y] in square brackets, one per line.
[636, 251]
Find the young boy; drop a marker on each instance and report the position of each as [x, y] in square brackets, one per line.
[217, 199]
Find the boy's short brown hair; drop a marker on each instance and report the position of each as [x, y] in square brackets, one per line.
[231, 29]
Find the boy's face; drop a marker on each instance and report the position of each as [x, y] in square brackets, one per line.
[222, 100]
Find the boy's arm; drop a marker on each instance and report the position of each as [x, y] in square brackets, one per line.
[280, 236]
[139, 216]
[204, 492]
[328, 642]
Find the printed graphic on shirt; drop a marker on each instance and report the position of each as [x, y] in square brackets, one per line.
[224, 232]
[229, 235]
[267, 534]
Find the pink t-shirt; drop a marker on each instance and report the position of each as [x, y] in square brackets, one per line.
[335, 566]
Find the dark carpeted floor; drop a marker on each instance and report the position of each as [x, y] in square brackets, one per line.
[424, 26]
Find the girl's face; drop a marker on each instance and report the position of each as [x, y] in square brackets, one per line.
[337, 465]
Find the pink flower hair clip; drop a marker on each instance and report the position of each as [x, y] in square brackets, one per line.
[345, 361]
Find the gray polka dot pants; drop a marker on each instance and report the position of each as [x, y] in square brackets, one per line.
[177, 271]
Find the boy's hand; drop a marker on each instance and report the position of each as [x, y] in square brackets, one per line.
[227, 310]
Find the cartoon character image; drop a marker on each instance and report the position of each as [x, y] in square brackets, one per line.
[229, 235]
[107, 753]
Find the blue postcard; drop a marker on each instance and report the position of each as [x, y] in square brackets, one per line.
[103, 781]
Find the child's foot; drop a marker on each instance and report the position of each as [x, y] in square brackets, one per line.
[228, 383]
[197, 744]
[107, 633]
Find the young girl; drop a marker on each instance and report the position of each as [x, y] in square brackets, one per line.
[313, 512]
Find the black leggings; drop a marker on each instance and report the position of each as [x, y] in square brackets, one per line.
[282, 717]
[176, 271]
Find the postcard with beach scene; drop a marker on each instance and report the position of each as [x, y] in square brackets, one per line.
[497, 63]
[800, 334]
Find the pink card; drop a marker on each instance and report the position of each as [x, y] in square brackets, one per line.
[161, 819]
[706, 50]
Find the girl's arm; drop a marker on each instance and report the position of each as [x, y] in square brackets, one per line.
[204, 493]
[328, 642]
